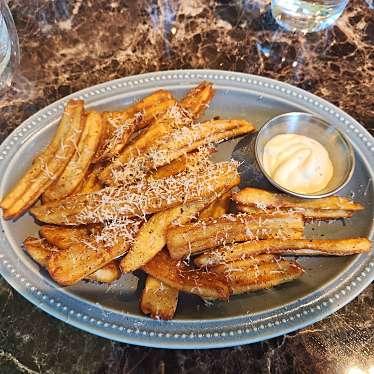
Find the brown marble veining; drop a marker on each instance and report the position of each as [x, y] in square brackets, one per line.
[70, 45]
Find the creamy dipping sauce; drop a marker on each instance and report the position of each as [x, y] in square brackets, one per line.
[297, 163]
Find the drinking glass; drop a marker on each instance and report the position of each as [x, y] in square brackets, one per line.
[307, 15]
[9, 47]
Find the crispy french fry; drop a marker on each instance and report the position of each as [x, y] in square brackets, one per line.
[197, 100]
[309, 214]
[262, 199]
[177, 143]
[116, 125]
[78, 209]
[242, 278]
[242, 264]
[151, 237]
[158, 299]
[175, 117]
[77, 167]
[207, 234]
[163, 125]
[92, 184]
[218, 207]
[41, 250]
[49, 165]
[175, 167]
[184, 278]
[293, 247]
[123, 129]
[107, 274]
[80, 256]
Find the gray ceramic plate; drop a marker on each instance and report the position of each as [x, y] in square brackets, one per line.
[112, 311]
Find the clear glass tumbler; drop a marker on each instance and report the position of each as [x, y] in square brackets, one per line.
[9, 47]
[307, 15]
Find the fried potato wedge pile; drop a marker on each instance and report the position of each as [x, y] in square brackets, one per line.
[138, 200]
[49, 164]
[136, 190]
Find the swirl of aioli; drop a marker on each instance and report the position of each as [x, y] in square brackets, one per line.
[297, 163]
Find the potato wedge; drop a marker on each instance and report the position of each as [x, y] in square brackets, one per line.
[122, 129]
[293, 247]
[77, 167]
[40, 250]
[142, 113]
[158, 299]
[207, 234]
[151, 237]
[156, 196]
[177, 116]
[242, 264]
[49, 165]
[176, 143]
[165, 124]
[107, 274]
[263, 276]
[198, 99]
[217, 208]
[309, 214]
[262, 199]
[179, 276]
[81, 254]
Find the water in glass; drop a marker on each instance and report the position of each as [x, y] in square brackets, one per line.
[307, 15]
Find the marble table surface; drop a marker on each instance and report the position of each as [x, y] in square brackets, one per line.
[69, 45]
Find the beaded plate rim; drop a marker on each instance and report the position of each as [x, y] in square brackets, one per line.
[191, 334]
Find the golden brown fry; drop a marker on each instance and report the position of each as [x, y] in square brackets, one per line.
[107, 274]
[49, 165]
[158, 299]
[176, 117]
[151, 237]
[217, 208]
[293, 247]
[178, 275]
[262, 199]
[77, 167]
[41, 250]
[81, 254]
[207, 234]
[163, 125]
[119, 126]
[92, 184]
[309, 214]
[197, 100]
[69, 211]
[178, 143]
[122, 130]
[266, 275]
[175, 167]
[242, 264]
